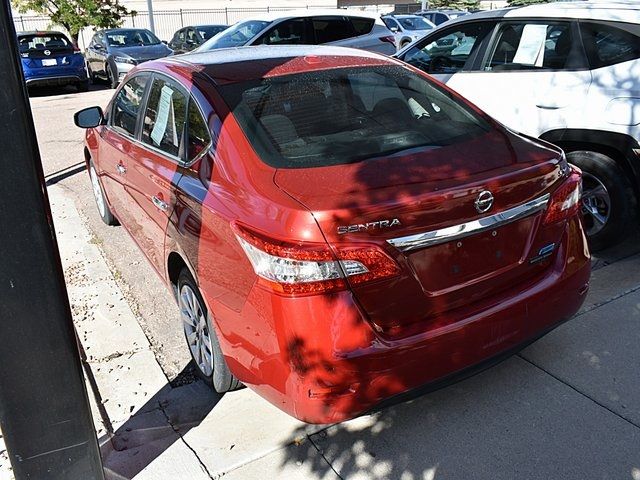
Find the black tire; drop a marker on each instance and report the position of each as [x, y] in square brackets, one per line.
[221, 379]
[92, 76]
[601, 169]
[83, 86]
[112, 76]
[101, 203]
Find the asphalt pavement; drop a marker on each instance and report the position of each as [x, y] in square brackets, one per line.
[567, 407]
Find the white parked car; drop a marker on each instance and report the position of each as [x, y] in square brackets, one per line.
[407, 28]
[568, 73]
[355, 29]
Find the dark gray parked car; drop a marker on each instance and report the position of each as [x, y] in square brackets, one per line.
[112, 53]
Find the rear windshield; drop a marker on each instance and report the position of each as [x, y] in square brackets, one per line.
[53, 42]
[131, 38]
[348, 115]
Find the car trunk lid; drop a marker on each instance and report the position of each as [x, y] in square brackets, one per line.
[426, 190]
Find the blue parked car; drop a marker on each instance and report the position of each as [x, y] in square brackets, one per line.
[49, 58]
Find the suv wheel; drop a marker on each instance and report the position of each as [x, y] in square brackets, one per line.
[112, 75]
[201, 337]
[608, 200]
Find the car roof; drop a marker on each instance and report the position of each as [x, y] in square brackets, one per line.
[230, 65]
[406, 15]
[40, 32]
[272, 16]
[444, 10]
[619, 11]
[201, 25]
[113, 30]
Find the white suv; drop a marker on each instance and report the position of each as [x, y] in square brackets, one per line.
[308, 27]
[568, 73]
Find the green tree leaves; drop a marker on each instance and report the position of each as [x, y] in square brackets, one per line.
[74, 15]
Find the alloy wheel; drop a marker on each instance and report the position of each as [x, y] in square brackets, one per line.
[196, 330]
[596, 204]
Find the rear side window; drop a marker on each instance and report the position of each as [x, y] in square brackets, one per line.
[331, 29]
[607, 45]
[347, 115]
[362, 26]
[127, 105]
[199, 136]
[165, 117]
[535, 46]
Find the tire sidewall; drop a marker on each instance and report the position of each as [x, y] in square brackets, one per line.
[221, 379]
[621, 195]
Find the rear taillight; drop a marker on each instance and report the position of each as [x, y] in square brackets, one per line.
[565, 201]
[308, 268]
[390, 39]
[76, 50]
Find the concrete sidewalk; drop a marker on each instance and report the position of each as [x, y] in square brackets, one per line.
[566, 407]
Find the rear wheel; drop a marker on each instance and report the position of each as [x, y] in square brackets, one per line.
[98, 194]
[201, 337]
[92, 76]
[608, 200]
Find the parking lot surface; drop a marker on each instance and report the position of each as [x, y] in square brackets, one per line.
[566, 407]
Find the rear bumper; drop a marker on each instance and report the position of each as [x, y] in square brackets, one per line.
[319, 359]
[57, 80]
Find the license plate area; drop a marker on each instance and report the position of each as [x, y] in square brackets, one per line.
[49, 62]
[478, 258]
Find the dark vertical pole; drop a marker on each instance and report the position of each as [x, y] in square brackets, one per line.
[44, 409]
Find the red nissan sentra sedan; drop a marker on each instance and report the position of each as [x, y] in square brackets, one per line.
[340, 230]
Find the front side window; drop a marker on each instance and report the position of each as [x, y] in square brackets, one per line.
[449, 51]
[331, 29]
[607, 45]
[534, 46]
[289, 32]
[347, 115]
[126, 105]
[165, 117]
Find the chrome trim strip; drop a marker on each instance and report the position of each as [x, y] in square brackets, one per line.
[455, 232]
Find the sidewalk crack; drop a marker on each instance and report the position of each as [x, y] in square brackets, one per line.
[618, 296]
[555, 377]
[321, 453]
[177, 431]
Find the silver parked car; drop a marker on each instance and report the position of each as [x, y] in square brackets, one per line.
[308, 27]
[407, 28]
[112, 53]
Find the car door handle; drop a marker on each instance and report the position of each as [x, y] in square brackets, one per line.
[121, 169]
[160, 204]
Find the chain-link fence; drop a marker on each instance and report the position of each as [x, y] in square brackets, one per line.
[167, 22]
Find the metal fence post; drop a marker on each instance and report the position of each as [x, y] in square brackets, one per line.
[44, 408]
[133, 20]
[226, 15]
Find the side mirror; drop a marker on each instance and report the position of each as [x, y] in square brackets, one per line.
[165, 42]
[98, 46]
[394, 29]
[89, 117]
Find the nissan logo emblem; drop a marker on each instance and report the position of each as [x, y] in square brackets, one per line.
[484, 202]
[47, 52]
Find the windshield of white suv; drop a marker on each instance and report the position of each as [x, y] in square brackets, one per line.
[348, 115]
[131, 38]
[414, 23]
[235, 36]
